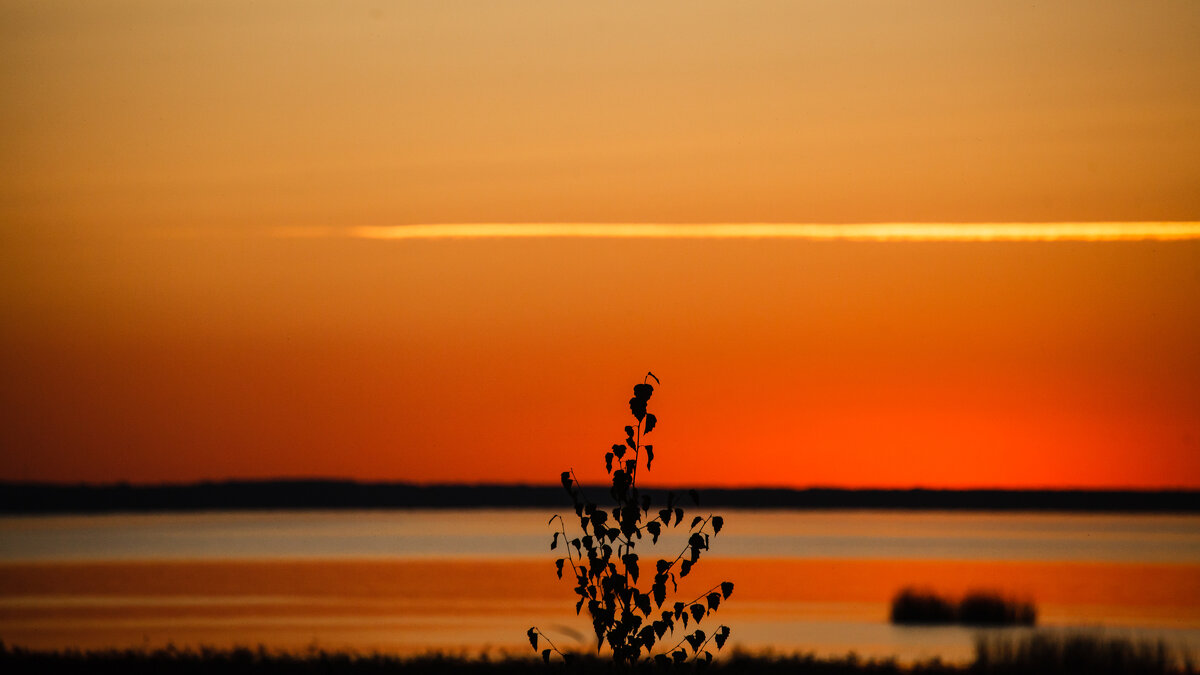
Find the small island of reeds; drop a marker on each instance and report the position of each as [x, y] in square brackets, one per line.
[914, 606]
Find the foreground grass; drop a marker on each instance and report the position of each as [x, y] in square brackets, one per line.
[1078, 653]
[242, 660]
[1061, 653]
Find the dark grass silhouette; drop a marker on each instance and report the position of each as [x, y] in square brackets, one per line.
[245, 660]
[1078, 653]
[1059, 653]
[912, 606]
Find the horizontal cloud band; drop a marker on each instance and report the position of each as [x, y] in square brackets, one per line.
[1151, 231]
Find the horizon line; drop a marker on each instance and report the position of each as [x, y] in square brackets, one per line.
[120, 484]
[912, 232]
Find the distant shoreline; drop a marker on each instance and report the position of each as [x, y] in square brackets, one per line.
[45, 498]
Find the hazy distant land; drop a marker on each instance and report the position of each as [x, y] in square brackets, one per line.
[31, 498]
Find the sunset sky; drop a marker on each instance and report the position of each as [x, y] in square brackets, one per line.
[440, 241]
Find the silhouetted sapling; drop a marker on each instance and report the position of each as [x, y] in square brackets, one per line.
[626, 617]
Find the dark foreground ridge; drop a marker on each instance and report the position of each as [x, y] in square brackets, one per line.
[1057, 653]
[32, 498]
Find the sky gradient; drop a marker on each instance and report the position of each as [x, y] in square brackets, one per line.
[439, 241]
[320, 113]
[784, 361]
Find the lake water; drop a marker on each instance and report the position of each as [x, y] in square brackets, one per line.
[411, 581]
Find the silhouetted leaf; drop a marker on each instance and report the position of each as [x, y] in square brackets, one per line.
[637, 406]
[608, 458]
[697, 542]
[651, 420]
[566, 479]
[695, 497]
[678, 516]
[660, 628]
[696, 521]
[598, 520]
[631, 565]
[717, 523]
[532, 634]
[714, 600]
[721, 636]
[662, 566]
[629, 431]
[679, 656]
[654, 529]
[659, 589]
[621, 483]
[649, 455]
[685, 567]
[726, 588]
[646, 635]
[554, 543]
[643, 603]
[665, 516]
[697, 611]
[695, 640]
[559, 564]
[546, 656]
[646, 503]
[679, 607]
[575, 543]
[619, 451]
[642, 391]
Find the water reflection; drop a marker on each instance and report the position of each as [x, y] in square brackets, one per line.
[518, 533]
[463, 580]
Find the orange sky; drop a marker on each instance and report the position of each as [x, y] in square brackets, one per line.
[196, 279]
[358, 112]
[791, 362]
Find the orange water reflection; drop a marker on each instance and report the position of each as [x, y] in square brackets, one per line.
[409, 606]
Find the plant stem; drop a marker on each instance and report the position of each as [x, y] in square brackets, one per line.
[549, 641]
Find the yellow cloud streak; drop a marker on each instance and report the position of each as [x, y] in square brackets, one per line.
[1143, 231]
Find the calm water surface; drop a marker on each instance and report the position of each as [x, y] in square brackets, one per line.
[519, 533]
[465, 580]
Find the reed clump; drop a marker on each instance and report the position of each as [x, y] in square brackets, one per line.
[977, 608]
[1071, 653]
